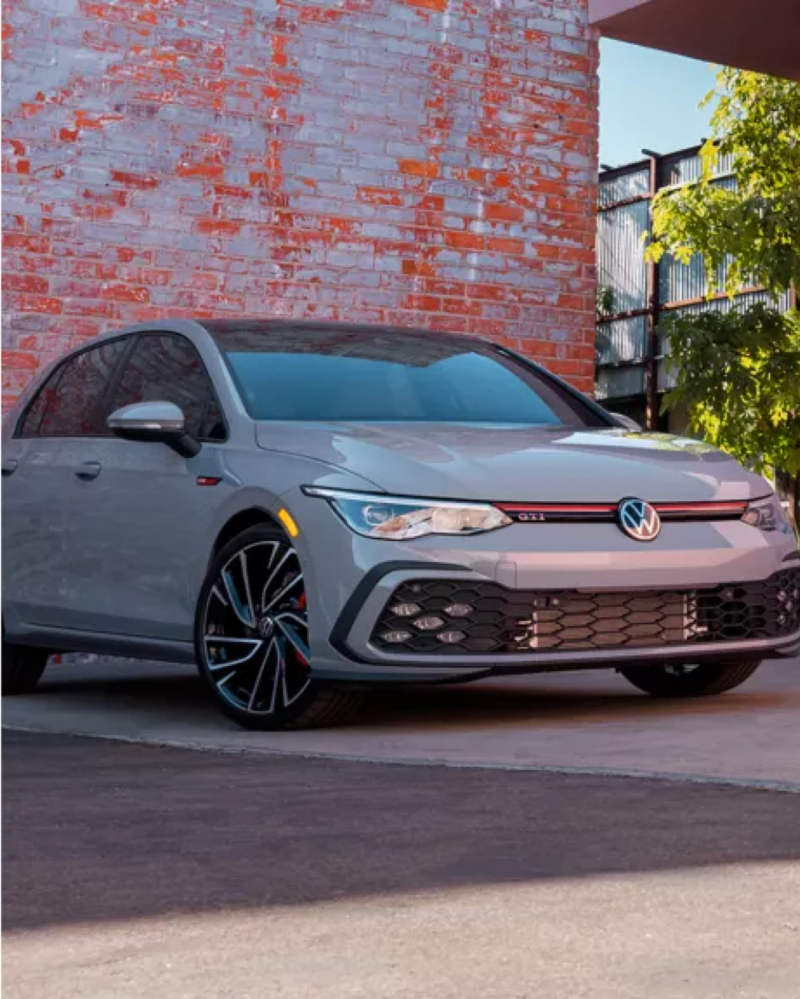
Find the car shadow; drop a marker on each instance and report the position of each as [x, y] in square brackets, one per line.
[539, 703]
[544, 700]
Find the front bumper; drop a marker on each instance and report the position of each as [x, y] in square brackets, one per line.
[352, 579]
[544, 630]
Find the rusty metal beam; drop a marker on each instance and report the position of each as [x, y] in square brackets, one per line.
[653, 310]
[761, 35]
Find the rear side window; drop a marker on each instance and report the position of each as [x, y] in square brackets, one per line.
[32, 420]
[70, 403]
[167, 368]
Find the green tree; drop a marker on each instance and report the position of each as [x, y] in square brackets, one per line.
[739, 373]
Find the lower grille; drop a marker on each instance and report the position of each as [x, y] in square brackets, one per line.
[450, 617]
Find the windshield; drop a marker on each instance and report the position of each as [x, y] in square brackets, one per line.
[336, 375]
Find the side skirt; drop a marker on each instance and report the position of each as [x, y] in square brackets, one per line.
[128, 646]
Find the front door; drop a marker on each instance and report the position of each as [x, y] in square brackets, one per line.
[140, 530]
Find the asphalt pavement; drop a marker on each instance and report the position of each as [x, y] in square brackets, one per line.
[553, 837]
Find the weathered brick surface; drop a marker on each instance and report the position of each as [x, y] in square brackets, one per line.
[420, 162]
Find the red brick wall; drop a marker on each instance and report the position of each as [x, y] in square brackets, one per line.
[420, 162]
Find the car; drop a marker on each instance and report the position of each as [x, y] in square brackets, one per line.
[307, 510]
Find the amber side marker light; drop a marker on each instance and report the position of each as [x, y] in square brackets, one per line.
[288, 522]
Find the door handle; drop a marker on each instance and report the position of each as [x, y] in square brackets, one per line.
[9, 466]
[88, 470]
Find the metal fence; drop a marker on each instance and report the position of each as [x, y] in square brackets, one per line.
[633, 367]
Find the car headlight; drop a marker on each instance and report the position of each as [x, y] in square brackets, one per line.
[767, 515]
[394, 518]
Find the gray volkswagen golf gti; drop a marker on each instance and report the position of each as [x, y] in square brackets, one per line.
[306, 510]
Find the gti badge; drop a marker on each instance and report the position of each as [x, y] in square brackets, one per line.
[638, 520]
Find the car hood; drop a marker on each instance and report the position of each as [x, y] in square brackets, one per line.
[519, 464]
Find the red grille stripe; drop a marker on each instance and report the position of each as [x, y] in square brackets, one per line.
[734, 508]
[700, 507]
[556, 508]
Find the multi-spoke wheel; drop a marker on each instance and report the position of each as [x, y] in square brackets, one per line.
[252, 638]
[690, 679]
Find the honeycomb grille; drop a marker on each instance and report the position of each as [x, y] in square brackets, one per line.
[450, 617]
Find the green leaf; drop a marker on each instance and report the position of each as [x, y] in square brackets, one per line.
[739, 376]
[739, 373]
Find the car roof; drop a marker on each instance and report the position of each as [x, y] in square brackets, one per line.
[311, 326]
[217, 328]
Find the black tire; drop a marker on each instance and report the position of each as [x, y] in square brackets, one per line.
[22, 668]
[272, 687]
[701, 680]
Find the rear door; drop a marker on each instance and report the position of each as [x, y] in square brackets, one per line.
[140, 531]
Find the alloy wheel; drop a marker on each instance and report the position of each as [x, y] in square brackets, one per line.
[255, 630]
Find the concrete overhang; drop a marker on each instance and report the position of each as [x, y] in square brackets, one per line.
[762, 35]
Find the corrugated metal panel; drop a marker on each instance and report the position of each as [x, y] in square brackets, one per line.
[617, 383]
[725, 164]
[621, 340]
[620, 255]
[666, 375]
[623, 187]
[689, 168]
[678, 282]
[680, 171]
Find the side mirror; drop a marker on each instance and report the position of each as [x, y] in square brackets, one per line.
[158, 422]
[627, 422]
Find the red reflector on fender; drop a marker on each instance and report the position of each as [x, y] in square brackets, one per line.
[207, 480]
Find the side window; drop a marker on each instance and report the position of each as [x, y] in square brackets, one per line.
[167, 368]
[32, 420]
[70, 402]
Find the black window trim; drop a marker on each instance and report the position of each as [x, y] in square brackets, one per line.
[112, 385]
[115, 379]
[54, 377]
[570, 390]
[59, 371]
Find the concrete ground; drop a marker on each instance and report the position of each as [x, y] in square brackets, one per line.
[145, 870]
[139, 871]
[592, 721]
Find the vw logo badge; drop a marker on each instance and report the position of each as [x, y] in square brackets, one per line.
[638, 520]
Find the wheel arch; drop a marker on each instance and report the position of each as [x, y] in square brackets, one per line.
[252, 516]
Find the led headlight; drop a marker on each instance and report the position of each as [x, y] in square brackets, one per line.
[767, 515]
[394, 518]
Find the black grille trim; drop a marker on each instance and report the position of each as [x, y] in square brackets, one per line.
[607, 513]
[513, 622]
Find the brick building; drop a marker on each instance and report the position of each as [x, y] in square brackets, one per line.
[419, 162]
